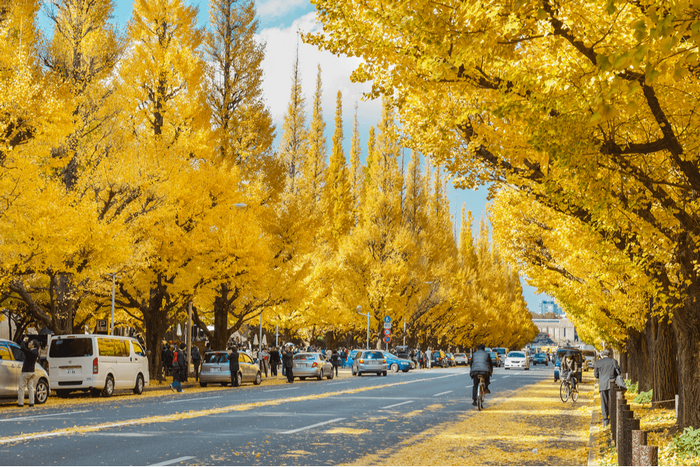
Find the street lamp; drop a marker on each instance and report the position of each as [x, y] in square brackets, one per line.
[111, 323]
[359, 311]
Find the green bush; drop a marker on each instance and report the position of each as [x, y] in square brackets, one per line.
[632, 387]
[644, 397]
[688, 443]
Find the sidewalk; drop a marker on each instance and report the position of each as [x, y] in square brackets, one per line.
[530, 426]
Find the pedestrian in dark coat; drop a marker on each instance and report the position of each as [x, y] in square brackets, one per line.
[167, 357]
[233, 366]
[28, 377]
[179, 369]
[335, 361]
[196, 361]
[274, 360]
[605, 369]
[288, 362]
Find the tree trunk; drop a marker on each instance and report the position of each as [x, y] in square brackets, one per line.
[638, 361]
[221, 334]
[664, 371]
[688, 352]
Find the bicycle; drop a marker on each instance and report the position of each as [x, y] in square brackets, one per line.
[480, 393]
[567, 389]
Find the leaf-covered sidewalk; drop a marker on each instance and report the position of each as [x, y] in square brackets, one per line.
[530, 426]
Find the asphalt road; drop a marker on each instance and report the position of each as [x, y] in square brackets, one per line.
[308, 422]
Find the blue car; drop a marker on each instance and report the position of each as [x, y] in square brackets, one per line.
[395, 363]
[540, 359]
[351, 358]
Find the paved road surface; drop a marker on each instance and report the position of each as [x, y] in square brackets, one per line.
[309, 422]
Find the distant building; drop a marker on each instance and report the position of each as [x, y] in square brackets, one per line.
[559, 329]
[549, 306]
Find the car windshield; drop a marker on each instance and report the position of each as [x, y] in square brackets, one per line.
[460, 355]
[71, 347]
[305, 356]
[374, 355]
[516, 355]
[216, 358]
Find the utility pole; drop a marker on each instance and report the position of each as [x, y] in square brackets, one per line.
[111, 322]
[359, 311]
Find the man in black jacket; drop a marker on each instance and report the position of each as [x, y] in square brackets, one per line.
[288, 363]
[605, 369]
[233, 365]
[28, 376]
[179, 369]
[481, 365]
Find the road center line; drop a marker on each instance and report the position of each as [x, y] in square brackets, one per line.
[442, 393]
[310, 426]
[43, 416]
[175, 461]
[192, 399]
[396, 405]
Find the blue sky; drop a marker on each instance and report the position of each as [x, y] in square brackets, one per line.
[280, 21]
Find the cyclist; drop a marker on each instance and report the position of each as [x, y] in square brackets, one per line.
[569, 368]
[480, 365]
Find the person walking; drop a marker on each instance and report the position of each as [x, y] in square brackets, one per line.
[604, 370]
[335, 361]
[274, 361]
[233, 365]
[167, 356]
[428, 357]
[196, 361]
[262, 360]
[288, 363]
[179, 369]
[28, 377]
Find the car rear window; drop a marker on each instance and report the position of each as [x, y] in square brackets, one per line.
[71, 347]
[373, 355]
[304, 356]
[216, 358]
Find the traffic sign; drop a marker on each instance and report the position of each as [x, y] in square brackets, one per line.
[387, 332]
[387, 325]
[387, 339]
[387, 319]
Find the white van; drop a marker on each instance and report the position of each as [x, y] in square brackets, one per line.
[96, 362]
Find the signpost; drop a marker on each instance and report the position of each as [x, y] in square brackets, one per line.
[387, 331]
[387, 339]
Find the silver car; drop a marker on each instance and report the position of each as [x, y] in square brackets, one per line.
[215, 369]
[312, 365]
[11, 368]
[369, 361]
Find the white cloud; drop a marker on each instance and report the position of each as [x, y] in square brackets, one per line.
[278, 8]
[335, 75]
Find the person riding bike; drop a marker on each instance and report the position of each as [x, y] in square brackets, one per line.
[481, 366]
[569, 368]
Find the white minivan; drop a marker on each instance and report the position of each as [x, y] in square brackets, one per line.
[96, 362]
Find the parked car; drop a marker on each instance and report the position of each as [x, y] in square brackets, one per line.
[402, 351]
[215, 369]
[557, 362]
[438, 358]
[369, 361]
[501, 351]
[395, 363]
[312, 365]
[589, 358]
[450, 359]
[351, 357]
[461, 359]
[495, 359]
[540, 359]
[98, 363]
[11, 369]
[517, 359]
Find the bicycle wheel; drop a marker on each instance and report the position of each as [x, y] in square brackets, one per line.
[574, 394]
[480, 397]
[564, 391]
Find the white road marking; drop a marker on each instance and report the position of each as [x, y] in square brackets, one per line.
[470, 386]
[442, 393]
[175, 461]
[192, 399]
[285, 389]
[396, 405]
[43, 416]
[311, 426]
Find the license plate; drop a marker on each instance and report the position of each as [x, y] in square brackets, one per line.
[214, 369]
[71, 371]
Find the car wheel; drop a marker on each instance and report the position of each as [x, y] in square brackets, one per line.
[138, 389]
[240, 379]
[331, 375]
[395, 367]
[41, 391]
[109, 387]
[258, 379]
[320, 374]
[353, 372]
[384, 374]
[204, 385]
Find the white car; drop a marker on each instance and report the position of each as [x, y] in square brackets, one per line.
[461, 359]
[11, 361]
[517, 359]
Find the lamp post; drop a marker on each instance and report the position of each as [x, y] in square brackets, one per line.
[359, 311]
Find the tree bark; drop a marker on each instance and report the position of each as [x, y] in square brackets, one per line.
[688, 354]
[638, 361]
[664, 371]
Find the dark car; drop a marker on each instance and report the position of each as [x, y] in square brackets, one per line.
[539, 359]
